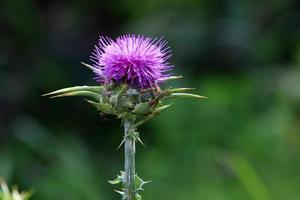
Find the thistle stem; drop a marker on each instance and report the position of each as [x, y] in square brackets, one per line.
[129, 159]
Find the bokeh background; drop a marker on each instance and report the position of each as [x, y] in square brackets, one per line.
[243, 142]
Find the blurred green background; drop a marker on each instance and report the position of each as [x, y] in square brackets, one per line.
[243, 142]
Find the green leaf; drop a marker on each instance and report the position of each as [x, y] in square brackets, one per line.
[122, 193]
[166, 93]
[138, 197]
[160, 109]
[96, 89]
[27, 195]
[173, 90]
[106, 108]
[139, 183]
[115, 181]
[14, 194]
[249, 177]
[188, 95]
[89, 94]
[119, 179]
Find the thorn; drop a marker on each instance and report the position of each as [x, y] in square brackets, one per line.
[121, 144]
[171, 78]
[139, 140]
[56, 96]
[90, 67]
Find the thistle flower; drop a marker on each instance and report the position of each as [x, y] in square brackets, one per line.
[133, 65]
[136, 60]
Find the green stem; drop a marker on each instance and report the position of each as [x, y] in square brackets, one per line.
[129, 159]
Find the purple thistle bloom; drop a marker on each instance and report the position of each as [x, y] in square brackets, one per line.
[137, 60]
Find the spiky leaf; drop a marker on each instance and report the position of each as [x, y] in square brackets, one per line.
[188, 95]
[88, 94]
[173, 90]
[120, 179]
[138, 185]
[106, 108]
[96, 89]
[160, 109]
[122, 193]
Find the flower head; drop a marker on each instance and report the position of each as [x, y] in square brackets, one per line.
[137, 60]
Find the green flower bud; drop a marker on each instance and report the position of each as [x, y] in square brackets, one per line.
[143, 109]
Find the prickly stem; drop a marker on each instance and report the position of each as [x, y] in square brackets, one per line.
[129, 159]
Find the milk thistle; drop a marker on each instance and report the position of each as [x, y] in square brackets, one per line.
[129, 70]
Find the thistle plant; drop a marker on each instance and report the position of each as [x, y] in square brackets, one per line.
[128, 71]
